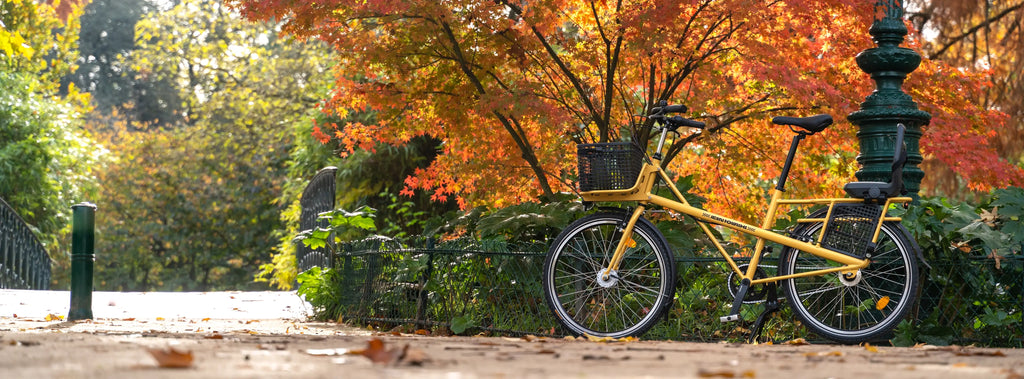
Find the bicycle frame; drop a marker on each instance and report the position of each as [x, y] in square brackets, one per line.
[651, 172]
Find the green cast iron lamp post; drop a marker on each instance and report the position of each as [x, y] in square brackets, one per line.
[888, 64]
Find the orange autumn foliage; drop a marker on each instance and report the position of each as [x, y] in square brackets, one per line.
[511, 86]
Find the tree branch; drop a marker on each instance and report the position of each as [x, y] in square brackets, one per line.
[955, 40]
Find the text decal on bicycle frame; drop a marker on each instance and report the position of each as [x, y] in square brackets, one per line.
[727, 221]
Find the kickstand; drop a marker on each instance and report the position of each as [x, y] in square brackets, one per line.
[771, 305]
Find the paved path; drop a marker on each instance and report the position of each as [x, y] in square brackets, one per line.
[264, 335]
[166, 305]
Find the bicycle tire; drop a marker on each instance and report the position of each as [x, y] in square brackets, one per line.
[626, 305]
[865, 308]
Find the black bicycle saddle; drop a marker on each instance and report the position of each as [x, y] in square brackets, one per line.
[812, 124]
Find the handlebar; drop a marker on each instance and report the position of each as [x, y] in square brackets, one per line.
[670, 124]
[660, 113]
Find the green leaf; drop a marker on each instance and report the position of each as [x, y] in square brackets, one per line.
[321, 234]
[993, 240]
[363, 222]
[1010, 201]
[904, 334]
[461, 323]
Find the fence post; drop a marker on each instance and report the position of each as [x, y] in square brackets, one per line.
[82, 258]
[421, 303]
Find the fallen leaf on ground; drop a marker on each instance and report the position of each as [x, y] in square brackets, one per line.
[376, 352]
[171, 357]
[797, 341]
[159, 318]
[870, 348]
[215, 336]
[610, 339]
[422, 332]
[53, 317]
[702, 373]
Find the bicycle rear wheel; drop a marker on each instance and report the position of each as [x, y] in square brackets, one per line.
[631, 300]
[859, 308]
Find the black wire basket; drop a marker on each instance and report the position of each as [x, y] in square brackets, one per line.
[608, 166]
[850, 228]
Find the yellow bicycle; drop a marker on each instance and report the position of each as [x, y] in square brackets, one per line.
[848, 270]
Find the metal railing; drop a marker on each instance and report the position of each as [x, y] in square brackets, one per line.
[24, 263]
[318, 197]
[495, 287]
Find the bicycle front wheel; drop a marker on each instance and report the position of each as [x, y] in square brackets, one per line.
[862, 307]
[626, 303]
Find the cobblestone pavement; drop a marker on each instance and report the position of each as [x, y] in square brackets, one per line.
[265, 335]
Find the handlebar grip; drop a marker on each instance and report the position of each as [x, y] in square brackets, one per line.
[693, 124]
[675, 122]
[678, 108]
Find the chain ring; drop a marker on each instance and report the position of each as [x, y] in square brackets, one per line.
[756, 293]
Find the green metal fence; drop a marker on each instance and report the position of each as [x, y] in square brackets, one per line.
[973, 300]
[495, 287]
[24, 263]
[491, 286]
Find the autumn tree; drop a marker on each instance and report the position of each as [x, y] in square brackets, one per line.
[985, 37]
[510, 86]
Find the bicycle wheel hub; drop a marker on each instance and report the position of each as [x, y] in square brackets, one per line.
[850, 280]
[609, 280]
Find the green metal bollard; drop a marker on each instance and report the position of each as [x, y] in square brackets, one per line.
[888, 64]
[82, 258]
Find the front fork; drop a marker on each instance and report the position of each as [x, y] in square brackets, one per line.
[625, 242]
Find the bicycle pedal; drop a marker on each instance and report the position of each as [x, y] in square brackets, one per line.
[729, 318]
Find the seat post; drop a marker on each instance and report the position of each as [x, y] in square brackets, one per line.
[781, 185]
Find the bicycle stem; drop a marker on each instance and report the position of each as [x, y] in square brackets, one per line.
[661, 144]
